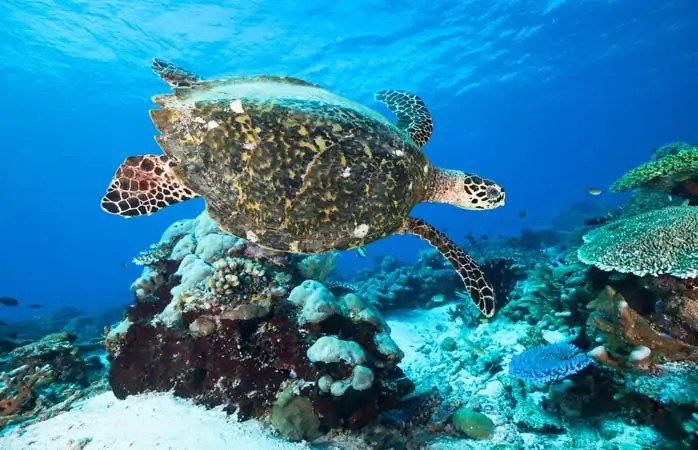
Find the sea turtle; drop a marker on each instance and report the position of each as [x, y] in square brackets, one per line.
[293, 167]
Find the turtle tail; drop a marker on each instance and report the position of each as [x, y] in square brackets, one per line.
[471, 274]
[173, 75]
[143, 185]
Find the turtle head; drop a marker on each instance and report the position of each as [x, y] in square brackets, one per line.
[464, 190]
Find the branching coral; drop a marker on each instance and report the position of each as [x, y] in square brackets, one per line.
[17, 391]
[155, 255]
[549, 294]
[655, 243]
[42, 378]
[630, 340]
[235, 275]
[393, 284]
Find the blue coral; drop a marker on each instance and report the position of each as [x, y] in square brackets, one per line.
[550, 363]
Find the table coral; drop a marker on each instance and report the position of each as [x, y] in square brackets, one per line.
[656, 242]
[659, 172]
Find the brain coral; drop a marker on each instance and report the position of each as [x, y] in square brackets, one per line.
[659, 242]
[685, 161]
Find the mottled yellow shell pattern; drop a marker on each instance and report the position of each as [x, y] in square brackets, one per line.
[289, 165]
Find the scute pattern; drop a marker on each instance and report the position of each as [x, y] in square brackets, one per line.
[143, 185]
[412, 114]
[299, 175]
[470, 273]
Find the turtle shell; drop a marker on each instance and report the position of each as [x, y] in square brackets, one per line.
[289, 165]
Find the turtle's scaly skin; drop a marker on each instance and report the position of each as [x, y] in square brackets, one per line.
[144, 184]
[467, 269]
[412, 114]
[303, 176]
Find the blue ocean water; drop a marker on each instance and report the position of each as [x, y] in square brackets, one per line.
[548, 98]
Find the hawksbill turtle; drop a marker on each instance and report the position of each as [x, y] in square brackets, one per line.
[293, 167]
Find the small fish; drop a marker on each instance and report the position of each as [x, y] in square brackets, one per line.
[472, 346]
[597, 220]
[513, 241]
[124, 264]
[438, 298]
[361, 252]
[683, 176]
[35, 306]
[522, 214]
[8, 301]
[594, 191]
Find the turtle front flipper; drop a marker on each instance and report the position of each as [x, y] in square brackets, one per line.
[412, 115]
[473, 277]
[143, 185]
[173, 75]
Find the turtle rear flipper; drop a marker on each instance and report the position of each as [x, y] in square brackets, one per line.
[413, 117]
[143, 185]
[173, 75]
[473, 277]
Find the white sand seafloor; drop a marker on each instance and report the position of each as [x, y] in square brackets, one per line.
[162, 421]
[143, 422]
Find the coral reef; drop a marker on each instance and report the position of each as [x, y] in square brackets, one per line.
[673, 163]
[44, 377]
[551, 295]
[623, 328]
[393, 284]
[226, 330]
[318, 267]
[595, 343]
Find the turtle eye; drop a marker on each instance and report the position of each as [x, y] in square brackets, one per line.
[493, 191]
